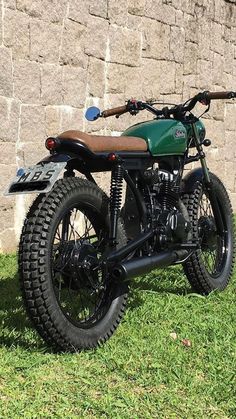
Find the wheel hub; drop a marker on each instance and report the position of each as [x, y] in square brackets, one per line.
[77, 261]
[207, 232]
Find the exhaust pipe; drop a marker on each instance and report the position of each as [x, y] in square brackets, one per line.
[142, 266]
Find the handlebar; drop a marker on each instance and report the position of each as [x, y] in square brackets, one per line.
[219, 95]
[114, 111]
[177, 111]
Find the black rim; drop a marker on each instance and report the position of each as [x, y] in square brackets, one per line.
[213, 246]
[80, 284]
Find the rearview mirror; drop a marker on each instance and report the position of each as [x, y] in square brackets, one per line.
[92, 113]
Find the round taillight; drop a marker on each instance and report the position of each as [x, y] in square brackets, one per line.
[50, 143]
[112, 157]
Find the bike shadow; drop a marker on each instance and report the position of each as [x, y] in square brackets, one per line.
[170, 280]
[16, 329]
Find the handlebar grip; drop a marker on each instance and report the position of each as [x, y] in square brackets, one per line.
[114, 111]
[220, 95]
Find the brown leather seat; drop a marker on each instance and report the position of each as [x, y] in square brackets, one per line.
[101, 143]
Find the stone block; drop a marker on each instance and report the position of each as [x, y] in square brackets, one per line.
[96, 77]
[204, 71]
[125, 46]
[218, 69]
[230, 14]
[133, 88]
[71, 118]
[1, 23]
[217, 167]
[10, 4]
[7, 218]
[137, 7]
[26, 76]
[217, 42]
[215, 131]
[230, 119]
[16, 33]
[189, 86]
[230, 176]
[32, 124]
[177, 43]
[134, 22]
[48, 10]
[72, 51]
[6, 80]
[8, 172]
[31, 153]
[191, 28]
[9, 119]
[124, 79]
[97, 37]
[51, 84]
[204, 39]
[53, 120]
[118, 12]
[45, 40]
[217, 110]
[156, 40]
[116, 78]
[228, 81]
[158, 78]
[229, 57]
[150, 82]
[179, 18]
[7, 151]
[79, 11]
[98, 8]
[190, 58]
[179, 78]
[187, 6]
[164, 13]
[74, 86]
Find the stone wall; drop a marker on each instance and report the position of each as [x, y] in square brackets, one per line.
[58, 57]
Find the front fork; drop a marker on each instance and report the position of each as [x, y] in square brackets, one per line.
[208, 183]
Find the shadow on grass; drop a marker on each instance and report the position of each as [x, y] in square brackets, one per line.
[163, 281]
[16, 329]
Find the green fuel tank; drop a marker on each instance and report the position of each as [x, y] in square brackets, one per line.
[164, 137]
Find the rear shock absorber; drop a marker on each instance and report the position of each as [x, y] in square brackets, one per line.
[115, 200]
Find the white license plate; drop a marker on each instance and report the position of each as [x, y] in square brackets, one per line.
[39, 178]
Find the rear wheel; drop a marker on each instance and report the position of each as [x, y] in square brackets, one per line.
[211, 266]
[71, 299]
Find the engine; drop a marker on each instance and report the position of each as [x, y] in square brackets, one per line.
[167, 213]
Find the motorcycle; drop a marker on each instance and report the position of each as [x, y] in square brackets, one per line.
[79, 249]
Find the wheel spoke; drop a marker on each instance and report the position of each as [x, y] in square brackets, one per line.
[80, 293]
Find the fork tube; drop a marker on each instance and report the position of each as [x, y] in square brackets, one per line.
[212, 196]
[201, 155]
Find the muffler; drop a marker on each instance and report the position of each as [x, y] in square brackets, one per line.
[143, 265]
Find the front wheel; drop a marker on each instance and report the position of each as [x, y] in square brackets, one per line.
[211, 266]
[71, 298]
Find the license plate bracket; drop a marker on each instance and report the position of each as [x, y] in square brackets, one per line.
[36, 179]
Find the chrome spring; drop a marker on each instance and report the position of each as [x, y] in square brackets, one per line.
[115, 197]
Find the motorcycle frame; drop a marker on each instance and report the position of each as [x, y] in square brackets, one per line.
[79, 157]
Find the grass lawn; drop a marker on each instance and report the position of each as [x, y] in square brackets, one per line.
[141, 372]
